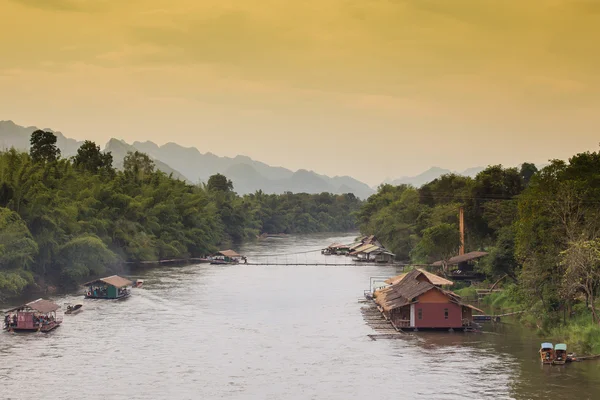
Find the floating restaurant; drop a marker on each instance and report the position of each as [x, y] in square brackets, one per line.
[109, 288]
[36, 316]
[416, 300]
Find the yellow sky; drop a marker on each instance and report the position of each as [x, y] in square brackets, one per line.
[368, 88]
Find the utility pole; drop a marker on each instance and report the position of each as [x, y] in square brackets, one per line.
[461, 217]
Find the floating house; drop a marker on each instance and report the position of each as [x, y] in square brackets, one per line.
[109, 288]
[336, 249]
[417, 300]
[36, 316]
[372, 253]
[366, 240]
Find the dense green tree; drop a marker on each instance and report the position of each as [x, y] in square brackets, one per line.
[66, 220]
[219, 183]
[527, 171]
[90, 158]
[440, 242]
[43, 147]
[138, 166]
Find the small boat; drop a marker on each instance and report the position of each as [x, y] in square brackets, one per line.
[547, 353]
[138, 283]
[73, 309]
[560, 354]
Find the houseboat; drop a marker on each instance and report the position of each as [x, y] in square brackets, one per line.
[227, 257]
[547, 353]
[36, 316]
[417, 300]
[109, 288]
[560, 354]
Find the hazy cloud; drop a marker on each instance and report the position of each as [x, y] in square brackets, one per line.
[432, 76]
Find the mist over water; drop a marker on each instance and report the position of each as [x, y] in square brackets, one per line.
[270, 332]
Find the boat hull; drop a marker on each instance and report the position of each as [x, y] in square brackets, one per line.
[107, 298]
[43, 329]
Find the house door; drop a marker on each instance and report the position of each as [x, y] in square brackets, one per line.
[412, 315]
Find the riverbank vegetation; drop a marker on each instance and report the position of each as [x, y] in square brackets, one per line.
[62, 220]
[540, 228]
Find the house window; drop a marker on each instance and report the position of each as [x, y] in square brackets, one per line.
[445, 313]
[420, 314]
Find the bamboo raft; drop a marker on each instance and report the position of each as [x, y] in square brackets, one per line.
[375, 319]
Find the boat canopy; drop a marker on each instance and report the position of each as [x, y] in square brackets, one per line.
[547, 346]
[229, 253]
[561, 346]
[40, 305]
[114, 280]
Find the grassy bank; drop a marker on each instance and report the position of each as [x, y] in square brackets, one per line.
[576, 328]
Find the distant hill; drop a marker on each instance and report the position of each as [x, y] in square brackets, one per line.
[13, 135]
[435, 172]
[119, 150]
[189, 163]
[249, 175]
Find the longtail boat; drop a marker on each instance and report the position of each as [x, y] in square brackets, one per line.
[560, 354]
[547, 353]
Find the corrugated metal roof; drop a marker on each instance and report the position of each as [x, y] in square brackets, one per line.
[365, 248]
[462, 258]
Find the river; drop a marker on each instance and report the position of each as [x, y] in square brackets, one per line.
[270, 332]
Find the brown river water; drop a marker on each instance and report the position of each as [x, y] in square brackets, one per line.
[270, 332]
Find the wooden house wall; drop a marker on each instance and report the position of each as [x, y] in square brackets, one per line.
[433, 315]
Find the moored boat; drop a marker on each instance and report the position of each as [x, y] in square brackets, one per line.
[547, 353]
[36, 316]
[560, 354]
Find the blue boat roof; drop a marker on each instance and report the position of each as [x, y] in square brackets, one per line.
[561, 346]
[547, 345]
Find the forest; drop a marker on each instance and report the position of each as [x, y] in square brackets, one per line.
[65, 219]
[540, 228]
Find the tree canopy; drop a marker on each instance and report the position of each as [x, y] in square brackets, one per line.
[62, 220]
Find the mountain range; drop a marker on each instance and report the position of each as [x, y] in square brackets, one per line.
[247, 175]
[190, 164]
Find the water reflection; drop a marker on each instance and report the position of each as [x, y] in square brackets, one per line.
[270, 332]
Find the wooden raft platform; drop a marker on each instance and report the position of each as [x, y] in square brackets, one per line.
[374, 318]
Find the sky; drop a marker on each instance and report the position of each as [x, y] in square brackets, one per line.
[374, 89]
